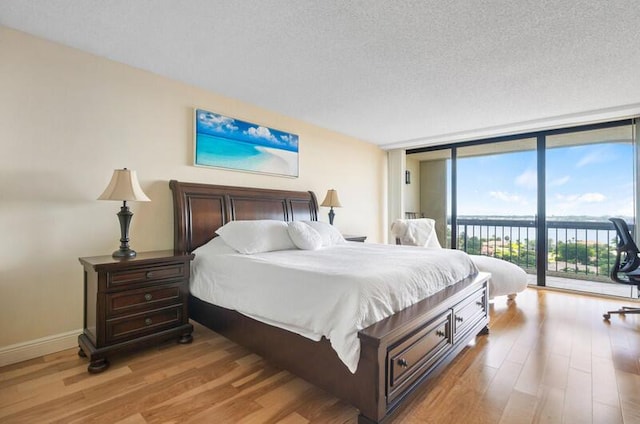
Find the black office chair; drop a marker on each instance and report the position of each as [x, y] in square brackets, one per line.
[626, 268]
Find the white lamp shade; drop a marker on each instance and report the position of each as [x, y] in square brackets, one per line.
[331, 200]
[124, 186]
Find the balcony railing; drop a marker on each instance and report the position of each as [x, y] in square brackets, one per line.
[575, 249]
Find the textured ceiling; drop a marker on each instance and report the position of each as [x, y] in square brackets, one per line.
[395, 73]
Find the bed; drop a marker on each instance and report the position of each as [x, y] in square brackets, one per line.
[398, 354]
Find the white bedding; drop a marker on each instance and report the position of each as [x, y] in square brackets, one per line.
[332, 292]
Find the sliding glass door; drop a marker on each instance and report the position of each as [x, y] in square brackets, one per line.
[541, 200]
[590, 177]
[497, 201]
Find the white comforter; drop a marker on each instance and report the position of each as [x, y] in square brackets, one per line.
[332, 292]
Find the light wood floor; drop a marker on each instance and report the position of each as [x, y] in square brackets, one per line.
[550, 358]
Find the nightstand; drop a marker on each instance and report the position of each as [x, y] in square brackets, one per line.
[133, 302]
[351, 237]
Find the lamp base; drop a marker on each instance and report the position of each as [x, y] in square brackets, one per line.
[124, 253]
[124, 216]
[332, 214]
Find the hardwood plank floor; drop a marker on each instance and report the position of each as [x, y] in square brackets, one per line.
[550, 358]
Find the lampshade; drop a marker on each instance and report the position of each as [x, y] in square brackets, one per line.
[331, 200]
[124, 186]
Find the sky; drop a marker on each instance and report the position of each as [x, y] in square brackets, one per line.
[214, 124]
[589, 180]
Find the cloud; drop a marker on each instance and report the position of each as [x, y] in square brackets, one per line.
[289, 140]
[582, 198]
[528, 179]
[559, 181]
[588, 159]
[624, 207]
[261, 132]
[592, 198]
[506, 197]
[591, 203]
[600, 155]
[217, 123]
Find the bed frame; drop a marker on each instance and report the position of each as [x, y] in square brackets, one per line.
[398, 354]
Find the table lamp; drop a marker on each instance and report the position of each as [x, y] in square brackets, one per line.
[124, 186]
[332, 201]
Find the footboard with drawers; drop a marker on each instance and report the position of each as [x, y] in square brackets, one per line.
[433, 332]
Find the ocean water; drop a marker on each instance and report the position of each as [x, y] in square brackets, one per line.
[522, 233]
[226, 153]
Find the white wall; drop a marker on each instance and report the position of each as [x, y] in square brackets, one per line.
[412, 190]
[395, 179]
[433, 198]
[69, 118]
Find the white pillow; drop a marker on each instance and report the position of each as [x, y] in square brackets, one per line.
[330, 234]
[304, 236]
[256, 236]
[216, 246]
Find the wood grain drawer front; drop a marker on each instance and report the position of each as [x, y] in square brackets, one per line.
[132, 326]
[145, 275]
[414, 355]
[469, 313]
[144, 299]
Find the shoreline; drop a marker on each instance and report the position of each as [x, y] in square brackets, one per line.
[266, 160]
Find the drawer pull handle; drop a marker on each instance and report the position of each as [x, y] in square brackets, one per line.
[440, 333]
[459, 319]
[149, 274]
[148, 296]
[148, 321]
[403, 363]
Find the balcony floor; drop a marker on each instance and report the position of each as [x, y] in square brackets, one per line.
[593, 287]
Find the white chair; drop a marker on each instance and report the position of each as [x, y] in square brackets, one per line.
[506, 278]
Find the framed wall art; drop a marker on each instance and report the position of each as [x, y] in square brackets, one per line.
[224, 142]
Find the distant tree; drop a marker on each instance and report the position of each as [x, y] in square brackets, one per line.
[576, 252]
[518, 253]
[473, 245]
[606, 257]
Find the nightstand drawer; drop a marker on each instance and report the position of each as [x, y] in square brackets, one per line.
[143, 299]
[135, 276]
[132, 326]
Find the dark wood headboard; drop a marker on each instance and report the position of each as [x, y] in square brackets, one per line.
[200, 209]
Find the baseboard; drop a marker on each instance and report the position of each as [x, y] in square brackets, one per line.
[32, 349]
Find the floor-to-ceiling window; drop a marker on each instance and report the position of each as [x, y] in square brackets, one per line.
[541, 200]
[589, 178]
[497, 200]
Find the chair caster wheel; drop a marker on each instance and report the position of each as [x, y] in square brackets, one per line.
[606, 316]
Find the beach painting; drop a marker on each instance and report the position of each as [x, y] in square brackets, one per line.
[224, 142]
